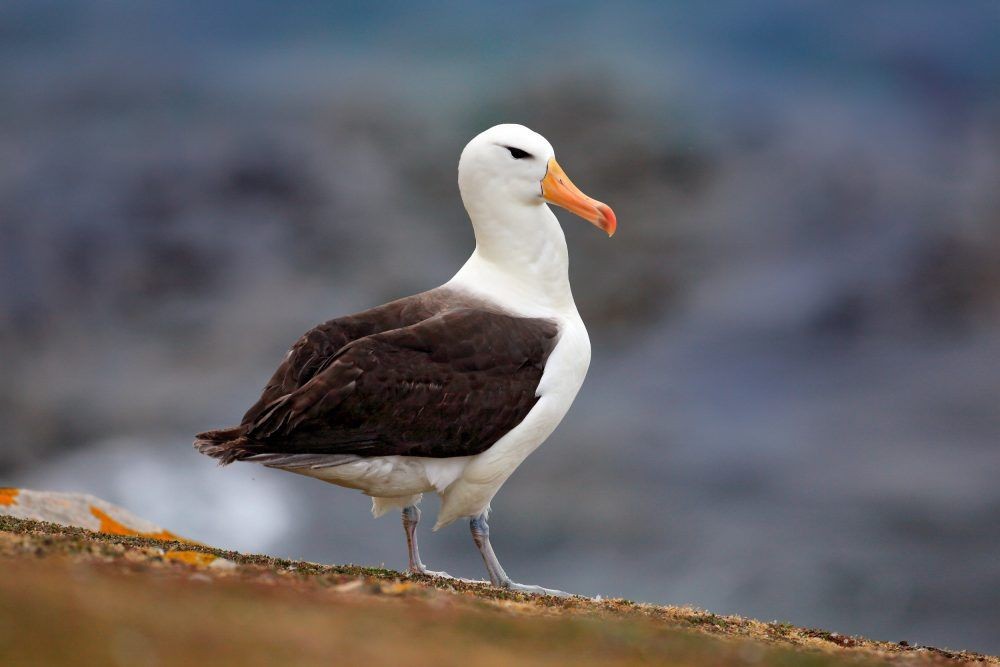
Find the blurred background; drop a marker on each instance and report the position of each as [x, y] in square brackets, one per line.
[793, 411]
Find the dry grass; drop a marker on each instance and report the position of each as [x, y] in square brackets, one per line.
[70, 596]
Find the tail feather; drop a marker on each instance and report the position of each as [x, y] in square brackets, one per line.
[226, 444]
[233, 444]
[301, 460]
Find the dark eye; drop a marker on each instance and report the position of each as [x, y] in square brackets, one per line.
[517, 153]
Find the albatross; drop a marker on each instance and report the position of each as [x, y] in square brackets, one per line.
[447, 391]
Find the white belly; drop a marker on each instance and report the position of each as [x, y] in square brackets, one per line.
[468, 483]
[393, 476]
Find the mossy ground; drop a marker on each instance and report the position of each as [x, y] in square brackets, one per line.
[70, 596]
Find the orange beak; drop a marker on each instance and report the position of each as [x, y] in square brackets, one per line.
[559, 190]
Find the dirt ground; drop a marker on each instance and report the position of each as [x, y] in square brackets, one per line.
[73, 597]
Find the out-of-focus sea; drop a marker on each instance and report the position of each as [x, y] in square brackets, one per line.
[793, 411]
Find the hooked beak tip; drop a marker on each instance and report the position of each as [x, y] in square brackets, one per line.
[608, 221]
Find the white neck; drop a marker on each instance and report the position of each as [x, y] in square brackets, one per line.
[520, 258]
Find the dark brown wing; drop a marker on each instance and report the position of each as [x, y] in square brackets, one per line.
[451, 385]
[314, 350]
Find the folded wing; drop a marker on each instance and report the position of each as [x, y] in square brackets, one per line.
[450, 385]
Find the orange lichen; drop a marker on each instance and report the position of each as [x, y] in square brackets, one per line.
[196, 558]
[113, 527]
[9, 496]
[399, 588]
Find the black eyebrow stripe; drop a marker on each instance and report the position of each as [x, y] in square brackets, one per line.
[512, 150]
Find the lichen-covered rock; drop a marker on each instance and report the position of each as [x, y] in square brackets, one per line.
[78, 509]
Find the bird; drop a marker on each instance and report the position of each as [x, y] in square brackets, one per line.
[447, 391]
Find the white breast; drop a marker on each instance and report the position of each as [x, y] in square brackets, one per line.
[565, 370]
[567, 366]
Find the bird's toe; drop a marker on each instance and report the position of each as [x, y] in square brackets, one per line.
[535, 590]
[423, 571]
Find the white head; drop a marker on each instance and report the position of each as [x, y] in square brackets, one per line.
[508, 171]
[506, 175]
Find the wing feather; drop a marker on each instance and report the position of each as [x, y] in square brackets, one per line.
[314, 351]
[451, 385]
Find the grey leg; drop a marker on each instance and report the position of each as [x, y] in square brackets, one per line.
[411, 517]
[481, 536]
